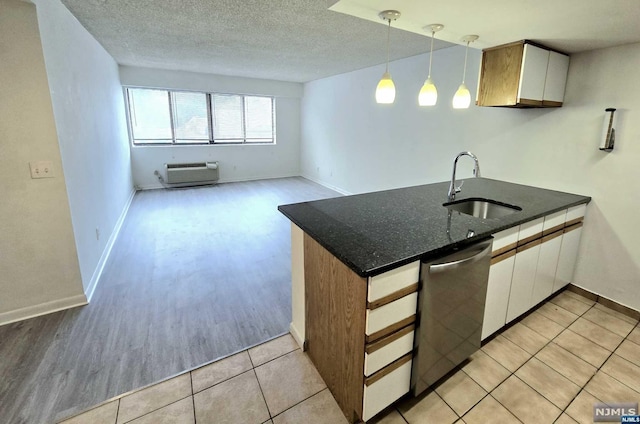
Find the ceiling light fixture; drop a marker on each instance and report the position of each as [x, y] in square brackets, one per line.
[462, 98]
[386, 90]
[429, 93]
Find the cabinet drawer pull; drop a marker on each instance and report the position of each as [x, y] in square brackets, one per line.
[393, 296]
[388, 369]
[372, 347]
[390, 329]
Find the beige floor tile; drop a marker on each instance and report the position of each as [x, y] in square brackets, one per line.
[549, 383]
[567, 364]
[579, 297]
[485, 371]
[629, 351]
[634, 336]
[596, 333]
[427, 410]
[220, 371]
[268, 422]
[489, 410]
[272, 349]
[624, 371]
[104, 414]
[616, 314]
[542, 325]
[608, 321]
[180, 412]
[288, 380]
[506, 353]
[565, 419]
[391, 416]
[237, 400]
[318, 409]
[582, 348]
[460, 392]
[571, 304]
[581, 409]
[608, 389]
[154, 397]
[557, 314]
[523, 402]
[525, 338]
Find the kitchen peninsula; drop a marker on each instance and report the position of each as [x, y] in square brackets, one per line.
[356, 269]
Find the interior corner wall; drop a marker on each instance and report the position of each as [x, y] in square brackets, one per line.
[88, 106]
[351, 143]
[38, 262]
[237, 162]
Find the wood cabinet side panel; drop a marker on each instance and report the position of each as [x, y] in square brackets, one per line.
[335, 299]
[500, 76]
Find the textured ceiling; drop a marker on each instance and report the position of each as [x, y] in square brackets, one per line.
[288, 40]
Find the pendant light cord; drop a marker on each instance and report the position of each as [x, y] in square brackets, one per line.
[433, 33]
[464, 72]
[388, 34]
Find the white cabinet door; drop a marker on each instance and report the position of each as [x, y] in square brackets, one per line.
[556, 77]
[495, 308]
[524, 274]
[533, 73]
[546, 269]
[568, 257]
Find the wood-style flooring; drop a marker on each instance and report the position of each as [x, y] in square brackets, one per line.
[196, 274]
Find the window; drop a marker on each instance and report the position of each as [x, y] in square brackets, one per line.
[166, 117]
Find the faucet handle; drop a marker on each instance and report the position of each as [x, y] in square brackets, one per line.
[459, 188]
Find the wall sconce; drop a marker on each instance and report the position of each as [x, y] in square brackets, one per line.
[608, 130]
[462, 98]
[386, 90]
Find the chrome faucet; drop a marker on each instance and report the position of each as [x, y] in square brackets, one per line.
[476, 172]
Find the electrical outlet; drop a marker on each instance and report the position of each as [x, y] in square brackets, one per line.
[41, 169]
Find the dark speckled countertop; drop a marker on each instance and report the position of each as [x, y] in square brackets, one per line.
[375, 232]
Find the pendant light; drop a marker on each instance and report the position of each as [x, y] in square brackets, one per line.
[462, 98]
[386, 90]
[428, 95]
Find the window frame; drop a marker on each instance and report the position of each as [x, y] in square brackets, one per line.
[210, 120]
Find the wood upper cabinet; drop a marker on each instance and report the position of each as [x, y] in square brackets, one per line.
[522, 74]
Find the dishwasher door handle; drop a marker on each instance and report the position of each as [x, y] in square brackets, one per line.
[476, 255]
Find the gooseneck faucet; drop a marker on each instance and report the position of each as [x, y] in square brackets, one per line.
[476, 172]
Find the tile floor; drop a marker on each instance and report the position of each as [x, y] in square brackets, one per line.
[550, 367]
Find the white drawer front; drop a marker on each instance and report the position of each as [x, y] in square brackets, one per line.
[576, 212]
[391, 281]
[531, 228]
[384, 316]
[385, 391]
[505, 238]
[382, 357]
[555, 219]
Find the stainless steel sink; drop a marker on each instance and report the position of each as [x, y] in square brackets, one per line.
[482, 208]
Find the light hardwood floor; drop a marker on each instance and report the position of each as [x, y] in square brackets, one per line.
[196, 274]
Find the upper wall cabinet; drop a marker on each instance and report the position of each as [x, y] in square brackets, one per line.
[522, 74]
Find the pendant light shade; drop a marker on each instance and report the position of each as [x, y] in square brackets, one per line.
[462, 98]
[428, 95]
[386, 89]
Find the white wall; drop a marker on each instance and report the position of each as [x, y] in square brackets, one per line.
[237, 163]
[39, 268]
[88, 106]
[350, 142]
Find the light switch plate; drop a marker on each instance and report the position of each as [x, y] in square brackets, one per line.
[41, 169]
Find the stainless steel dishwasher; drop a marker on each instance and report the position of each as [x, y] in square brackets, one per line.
[451, 303]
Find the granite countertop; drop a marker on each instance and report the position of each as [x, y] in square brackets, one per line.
[375, 232]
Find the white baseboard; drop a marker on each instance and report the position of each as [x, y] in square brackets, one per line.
[327, 185]
[229, 180]
[107, 249]
[42, 309]
[296, 335]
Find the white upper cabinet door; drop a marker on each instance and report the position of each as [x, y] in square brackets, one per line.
[533, 73]
[556, 77]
